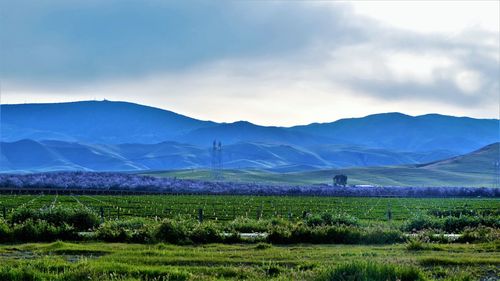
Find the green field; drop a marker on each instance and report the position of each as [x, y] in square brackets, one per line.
[378, 176]
[297, 248]
[228, 207]
[475, 169]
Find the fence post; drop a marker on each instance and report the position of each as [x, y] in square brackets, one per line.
[389, 213]
[304, 214]
[102, 214]
[259, 212]
[200, 215]
[4, 213]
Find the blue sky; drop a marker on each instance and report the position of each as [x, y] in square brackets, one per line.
[273, 63]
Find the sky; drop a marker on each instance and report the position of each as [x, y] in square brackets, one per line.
[268, 62]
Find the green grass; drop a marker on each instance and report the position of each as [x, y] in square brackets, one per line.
[475, 169]
[109, 261]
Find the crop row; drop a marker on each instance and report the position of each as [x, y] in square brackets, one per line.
[227, 207]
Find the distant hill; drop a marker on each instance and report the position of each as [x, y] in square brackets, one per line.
[103, 122]
[121, 136]
[396, 131]
[107, 122]
[242, 131]
[50, 155]
[475, 169]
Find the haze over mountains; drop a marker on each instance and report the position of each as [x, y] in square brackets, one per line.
[120, 136]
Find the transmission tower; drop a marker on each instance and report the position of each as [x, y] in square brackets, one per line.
[217, 165]
[496, 165]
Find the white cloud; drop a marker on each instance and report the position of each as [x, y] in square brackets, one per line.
[423, 58]
[447, 17]
[468, 81]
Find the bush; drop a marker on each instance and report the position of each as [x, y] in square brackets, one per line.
[381, 236]
[480, 234]
[263, 246]
[206, 232]
[450, 224]
[5, 232]
[80, 218]
[41, 230]
[173, 231]
[246, 225]
[339, 234]
[420, 222]
[373, 272]
[279, 235]
[415, 245]
[135, 230]
[330, 219]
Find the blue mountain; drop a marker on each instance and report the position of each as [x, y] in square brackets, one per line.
[106, 135]
[94, 121]
[401, 132]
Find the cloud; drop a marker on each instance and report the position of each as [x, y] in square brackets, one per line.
[267, 62]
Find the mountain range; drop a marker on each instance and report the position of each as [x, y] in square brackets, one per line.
[121, 136]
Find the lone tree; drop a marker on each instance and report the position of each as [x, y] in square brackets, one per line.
[340, 180]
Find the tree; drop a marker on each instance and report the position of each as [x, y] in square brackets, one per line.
[340, 180]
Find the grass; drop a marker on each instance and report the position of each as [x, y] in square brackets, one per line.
[115, 261]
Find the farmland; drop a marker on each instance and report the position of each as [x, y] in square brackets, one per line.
[228, 207]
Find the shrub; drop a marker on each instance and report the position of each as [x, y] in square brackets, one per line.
[420, 222]
[206, 232]
[450, 224]
[5, 232]
[373, 272]
[173, 231]
[80, 218]
[41, 230]
[381, 236]
[330, 219]
[279, 235]
[415, 245]
[242, 224]
[338, 234]
[135, 230]
[342, 235]
[263, 246]
[480, 234]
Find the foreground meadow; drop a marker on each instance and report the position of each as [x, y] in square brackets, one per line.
[116, 261]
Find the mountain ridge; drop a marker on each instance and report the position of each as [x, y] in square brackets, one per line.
[115, 122]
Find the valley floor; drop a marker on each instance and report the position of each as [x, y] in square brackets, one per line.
[114, 261]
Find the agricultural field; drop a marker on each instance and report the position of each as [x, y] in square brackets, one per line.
[229, 207]
[233, 237]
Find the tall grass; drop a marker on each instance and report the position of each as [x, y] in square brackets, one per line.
[368, 271]
[80, 218]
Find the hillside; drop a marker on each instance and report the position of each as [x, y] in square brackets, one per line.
[103, 122]
[51, 155]
[398, 131]
[473, 169]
